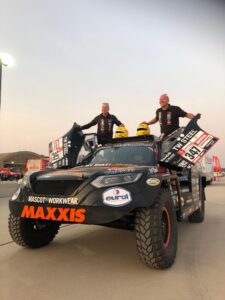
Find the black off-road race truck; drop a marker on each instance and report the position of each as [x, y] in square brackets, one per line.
[136, 183]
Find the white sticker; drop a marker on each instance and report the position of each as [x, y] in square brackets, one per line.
[53, 200]
[153, 181]
[191, 152]
[56, 152]
[116, 197]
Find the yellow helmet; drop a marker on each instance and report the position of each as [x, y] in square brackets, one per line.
[143, 129]
[121, 132]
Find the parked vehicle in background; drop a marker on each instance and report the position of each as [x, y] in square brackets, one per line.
[15, 174]
[10, 174]
[37, 164]
[4, 174]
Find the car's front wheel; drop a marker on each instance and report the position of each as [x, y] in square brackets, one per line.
[32, 233]
[156, 232]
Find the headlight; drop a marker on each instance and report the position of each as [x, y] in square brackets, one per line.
[111, 180]
[16, 195]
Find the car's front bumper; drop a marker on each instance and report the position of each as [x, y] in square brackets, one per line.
[72, 214]
[91, 205]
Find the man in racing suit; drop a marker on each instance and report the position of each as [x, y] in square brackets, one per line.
[168, 116]
[105, 122]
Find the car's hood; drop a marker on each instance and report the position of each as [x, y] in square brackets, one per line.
[88, 171]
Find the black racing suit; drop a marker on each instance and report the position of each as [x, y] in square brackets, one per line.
[105, 127]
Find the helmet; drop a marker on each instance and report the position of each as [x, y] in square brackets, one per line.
[143, 129]
[121, 132]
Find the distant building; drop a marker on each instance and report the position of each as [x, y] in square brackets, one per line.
[17, 159]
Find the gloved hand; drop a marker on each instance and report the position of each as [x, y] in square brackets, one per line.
[76, 125]
[198, 116]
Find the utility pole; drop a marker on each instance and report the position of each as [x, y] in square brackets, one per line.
[5, 60]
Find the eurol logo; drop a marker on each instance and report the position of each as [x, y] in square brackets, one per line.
[116, 197]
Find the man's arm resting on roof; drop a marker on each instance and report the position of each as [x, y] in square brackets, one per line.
[117, 122]
[153, 121]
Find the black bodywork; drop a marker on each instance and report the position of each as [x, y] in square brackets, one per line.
[69, 195]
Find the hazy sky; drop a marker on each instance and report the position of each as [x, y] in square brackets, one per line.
[73, 55]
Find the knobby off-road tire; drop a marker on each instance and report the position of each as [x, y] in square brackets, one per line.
[199, 215]
[32, 233]
[156, 232]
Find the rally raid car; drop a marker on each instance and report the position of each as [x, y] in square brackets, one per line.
[136, 183]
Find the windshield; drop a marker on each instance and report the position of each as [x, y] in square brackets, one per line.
[133, 154]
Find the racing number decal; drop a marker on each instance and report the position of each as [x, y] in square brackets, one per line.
[189, 147]
[192, 153]
[54, 214]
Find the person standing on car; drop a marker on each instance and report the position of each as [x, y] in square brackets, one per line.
[168, 116]
[105, 122]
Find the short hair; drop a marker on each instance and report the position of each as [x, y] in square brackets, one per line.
[165, 95]
[105, 103]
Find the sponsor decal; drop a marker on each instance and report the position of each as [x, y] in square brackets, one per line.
[102, 125]
[54, 213]
[169, 155]
[189, 148]
[191, 153]
[119, 170]
[153, 181]
[56, 152]
[148, 144]
[116, 197]
[200, 138]
[53, 200]
[97, 165]
[110, 125]
[152, 170]
[169, 117]
[184, 139]
[183, 164]
[116, 172]
[65, 151]
[116, 169]
[160, 118]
